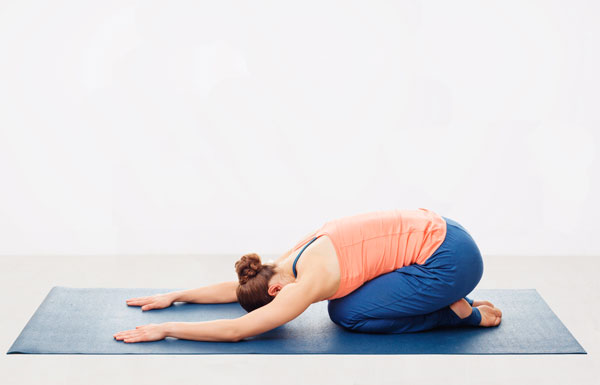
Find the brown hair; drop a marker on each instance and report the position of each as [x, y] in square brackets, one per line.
[254, 277]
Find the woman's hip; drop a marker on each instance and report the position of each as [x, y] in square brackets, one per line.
[458, 256]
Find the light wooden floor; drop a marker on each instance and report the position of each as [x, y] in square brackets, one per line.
[569, 285]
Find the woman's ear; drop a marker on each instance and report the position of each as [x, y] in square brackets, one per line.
[274, 289]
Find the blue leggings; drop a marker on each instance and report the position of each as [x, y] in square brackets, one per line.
[416, 297]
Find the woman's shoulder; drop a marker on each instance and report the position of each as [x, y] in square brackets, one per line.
[319, 264]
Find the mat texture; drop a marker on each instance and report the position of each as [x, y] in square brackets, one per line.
[83, 320]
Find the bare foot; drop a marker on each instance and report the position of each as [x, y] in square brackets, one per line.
[490, 316]
[479, 303]
[461, 308]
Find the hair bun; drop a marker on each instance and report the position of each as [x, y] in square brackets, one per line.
[247, 267]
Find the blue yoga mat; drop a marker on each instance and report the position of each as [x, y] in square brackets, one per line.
[83, 320]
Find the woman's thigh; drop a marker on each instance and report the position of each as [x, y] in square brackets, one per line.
[449, 274]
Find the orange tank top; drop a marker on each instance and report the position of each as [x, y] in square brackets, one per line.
[370, 244]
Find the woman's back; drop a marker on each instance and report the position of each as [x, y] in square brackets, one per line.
[370, 244]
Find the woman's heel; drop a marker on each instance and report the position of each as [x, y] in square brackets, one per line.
[474, 319]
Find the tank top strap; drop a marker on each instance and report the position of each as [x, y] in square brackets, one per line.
[298, 256]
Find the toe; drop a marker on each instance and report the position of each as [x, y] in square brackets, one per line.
[479, 303]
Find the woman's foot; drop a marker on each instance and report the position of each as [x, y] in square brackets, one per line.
[461, 308]
[490, 315]
[479, 303]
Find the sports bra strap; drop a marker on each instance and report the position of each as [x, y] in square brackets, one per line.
[298, 256]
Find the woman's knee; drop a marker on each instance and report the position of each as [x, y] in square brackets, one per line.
[340, 314]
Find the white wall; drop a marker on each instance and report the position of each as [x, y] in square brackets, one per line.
[131, 127]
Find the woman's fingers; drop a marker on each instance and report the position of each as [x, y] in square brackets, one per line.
[148, 303]
[138, 336]
[139, 301]
[149, 297]
[150, 332]
[135, 335]
[128, 335]
[126, 332]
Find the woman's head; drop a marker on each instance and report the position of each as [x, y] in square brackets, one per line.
[254, 277]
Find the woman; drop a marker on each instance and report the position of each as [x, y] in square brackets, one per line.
[393, 271]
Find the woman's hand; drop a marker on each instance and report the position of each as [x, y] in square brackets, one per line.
[150, 332]
[158, 301]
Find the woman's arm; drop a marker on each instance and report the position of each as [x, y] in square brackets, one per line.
[218, 293]
[291, 301]
[217, 330]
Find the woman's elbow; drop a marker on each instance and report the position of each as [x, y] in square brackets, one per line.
[235, 332]
[237, 335]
